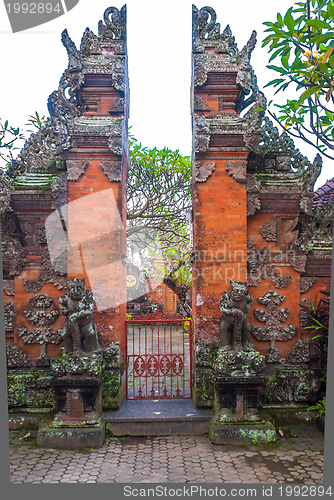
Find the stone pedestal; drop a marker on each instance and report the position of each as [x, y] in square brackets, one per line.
[238, 379]
[77, 392]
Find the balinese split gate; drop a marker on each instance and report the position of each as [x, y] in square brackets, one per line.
[261, 256]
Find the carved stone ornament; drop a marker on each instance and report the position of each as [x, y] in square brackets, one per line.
[254, 115]
[293, 383]
[306, 283]
[273, 355]
[59, 190]
[258, 267]
[309, 179]
[42, 235]
[234, 326]
[117, 106]
[272, 317]
[297, 254]
[15, 255]
[268, 231]
[42, 334]
[16, 358]
[5, 193]
[32, 286]
[9, 287]
[115, 137]
[204, 170]
[9, 317]
[300, 353]
[237, 169]
[76, 169]
[200, 71]
[80, 330]
[290, 233]
[112, 356]
[203, 353]
[54, 275]
[115, 24]
[253, 195]
[112, 170]
[320, 225]
[202, 134]
[204, 24]
[274, 144]
[200, 104]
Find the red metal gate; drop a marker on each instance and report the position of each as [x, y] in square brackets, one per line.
[158, 357]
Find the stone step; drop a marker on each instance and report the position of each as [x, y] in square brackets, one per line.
[168, 417]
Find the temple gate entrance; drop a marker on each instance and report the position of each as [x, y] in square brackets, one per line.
[158, 357]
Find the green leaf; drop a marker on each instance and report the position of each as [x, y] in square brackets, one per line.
[309, 92]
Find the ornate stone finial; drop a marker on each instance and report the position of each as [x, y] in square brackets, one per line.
[80, 330]
[234, 328]
[74, 59]
[115, 24]
[309, 179]
[204, 24]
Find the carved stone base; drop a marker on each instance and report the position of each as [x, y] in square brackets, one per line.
[246, 433]
[70, 438]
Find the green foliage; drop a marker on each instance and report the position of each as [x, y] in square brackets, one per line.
[9, 136]
[302, 44]
[158, 199]
[36, 122]
[320, 406]
[319, 312]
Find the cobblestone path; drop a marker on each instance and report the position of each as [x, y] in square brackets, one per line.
[296, 458]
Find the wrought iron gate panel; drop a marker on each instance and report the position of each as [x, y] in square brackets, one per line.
[158, 357]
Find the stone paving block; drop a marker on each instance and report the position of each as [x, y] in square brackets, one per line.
[174, 459]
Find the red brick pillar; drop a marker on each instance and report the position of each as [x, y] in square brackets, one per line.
[96, 164]
[221, 76]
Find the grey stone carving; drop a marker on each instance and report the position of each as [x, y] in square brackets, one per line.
[273, 355]
[76, 169]
[112, 170]
[200, 104]
[42, 318]
[253, 194]
[272, 317]
[5, 193]
[16, 358]
[306, 283]
[9, 316]
[258, 268]
[300, 353]
[234, 326]
[32, 286]
[237, 169]
[204, 170]
[268, 231]
[203, 353]
[309, 178]
[9, 287]
[59, 190]
[115, 24]
[80, 330]
[202, 134]
[293, 384]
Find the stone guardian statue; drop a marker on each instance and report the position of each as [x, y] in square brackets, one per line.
[234, 327]
[80, 330]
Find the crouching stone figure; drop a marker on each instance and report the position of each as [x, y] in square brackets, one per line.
[234, 327]
[80, 330]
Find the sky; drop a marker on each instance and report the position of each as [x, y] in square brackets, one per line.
[159, 50]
